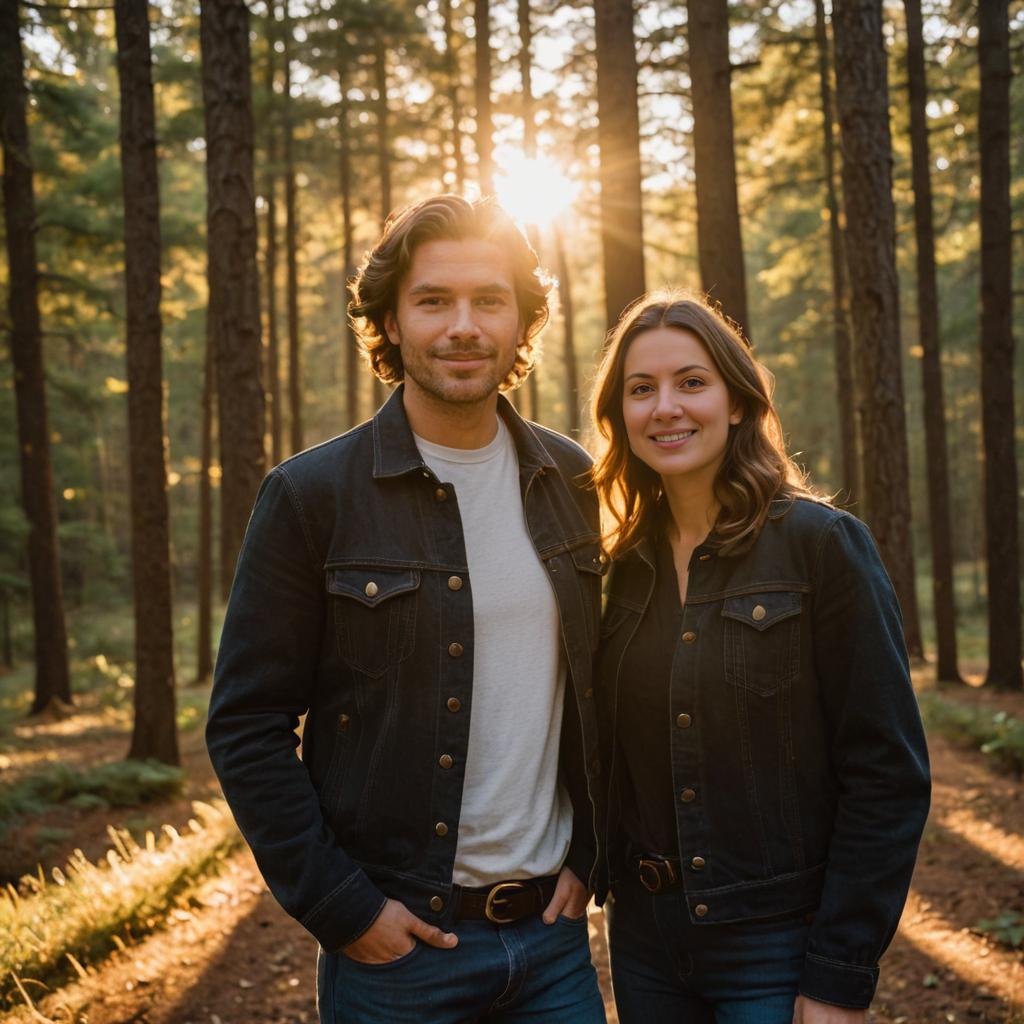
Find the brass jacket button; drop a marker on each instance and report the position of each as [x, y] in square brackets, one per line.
[689, 636]
[698, 863]
[683, 721]
[343, 721]
[688, 795]
[454, 704]
[455, 649]
[370, 589]
[436, 903]
[758, 613]
[441, 494]
[440, 829]
[446, 760]
[454, 582]
[701, 910]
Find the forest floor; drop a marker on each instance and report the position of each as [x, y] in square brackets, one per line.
[231, 955]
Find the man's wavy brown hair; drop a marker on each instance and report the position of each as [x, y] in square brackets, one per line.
[756, 469]
[443, 218]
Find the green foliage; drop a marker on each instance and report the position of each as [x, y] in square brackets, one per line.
[994, 733]
[1006, 927]
[117, 784]
[83, 911]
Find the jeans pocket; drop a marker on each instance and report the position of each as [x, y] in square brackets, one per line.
[388, 965]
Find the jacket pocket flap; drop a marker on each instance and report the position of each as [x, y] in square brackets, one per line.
[763, 610]
[590, 558]
[371, 585]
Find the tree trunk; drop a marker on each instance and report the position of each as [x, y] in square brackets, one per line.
[154, 733]
[572, 392]
[862, 96]
[347, 245]
[936, 458]
[451, 70]
[272, 370]
[1002, 549]
[849, 460]
[719, 242]
[234, 313]
[529, 151]
[204, 612]
[52, 680]
[291, 249]
[618, 133]
[383, 159]
[482, 88]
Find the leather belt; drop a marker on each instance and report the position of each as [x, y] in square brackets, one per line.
[506, 902]
[658, 874]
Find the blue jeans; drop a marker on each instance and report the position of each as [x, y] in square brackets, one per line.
[667, 970]
[527, 971]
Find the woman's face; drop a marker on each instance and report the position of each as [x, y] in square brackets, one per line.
[675, 404]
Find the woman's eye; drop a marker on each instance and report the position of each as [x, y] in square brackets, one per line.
[640, 389]
[692, 382]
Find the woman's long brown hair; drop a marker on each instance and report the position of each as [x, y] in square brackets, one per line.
[755, 470]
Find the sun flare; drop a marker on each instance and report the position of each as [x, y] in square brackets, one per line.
[534, 191]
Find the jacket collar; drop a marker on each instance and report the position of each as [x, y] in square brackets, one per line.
[395, 451]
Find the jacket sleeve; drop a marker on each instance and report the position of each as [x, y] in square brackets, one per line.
[264, 682]
[879, 760]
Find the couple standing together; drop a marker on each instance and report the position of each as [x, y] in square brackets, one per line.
[730, 754]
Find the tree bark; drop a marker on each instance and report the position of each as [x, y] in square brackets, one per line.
[272, 369]
[849, 459]
[154, 733]
[862, 96]
[622, 235]
[572, 390]
[234, 313]
[936, 457]
[451, 70]
[204, 611]
[719, 241]
[383, 157]
[291, 235]
[1002, 545]
[347, 244]
[52, 679]
[482, 89]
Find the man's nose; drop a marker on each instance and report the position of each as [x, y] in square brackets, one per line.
[463, 322]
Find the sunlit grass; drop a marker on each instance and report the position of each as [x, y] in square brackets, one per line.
[50, 928]
[993, 732]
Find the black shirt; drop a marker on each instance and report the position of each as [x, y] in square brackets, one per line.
[643, 716]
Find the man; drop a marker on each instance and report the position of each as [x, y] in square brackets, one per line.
[426, 589]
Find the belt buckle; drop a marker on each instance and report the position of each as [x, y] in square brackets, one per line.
[495, 899]
[651, 878]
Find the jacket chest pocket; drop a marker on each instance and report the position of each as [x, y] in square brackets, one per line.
[374, 616]
[762, 640]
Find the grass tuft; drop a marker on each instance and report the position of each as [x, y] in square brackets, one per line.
[116, 784]
[995, 733]
[53, 929]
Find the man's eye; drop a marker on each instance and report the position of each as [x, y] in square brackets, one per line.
[430, 300]
[491, 300]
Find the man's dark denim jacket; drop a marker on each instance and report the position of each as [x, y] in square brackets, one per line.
[801, 767]
[352, 602]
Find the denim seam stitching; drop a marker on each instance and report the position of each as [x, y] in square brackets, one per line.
[339, 888]
[860, 968]
[296, 503]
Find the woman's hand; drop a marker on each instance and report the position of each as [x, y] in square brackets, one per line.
[810, 1011]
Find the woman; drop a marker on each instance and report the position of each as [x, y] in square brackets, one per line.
[768, 771]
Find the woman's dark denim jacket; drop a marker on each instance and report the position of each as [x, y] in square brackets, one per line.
[803, 749]
[352, 602]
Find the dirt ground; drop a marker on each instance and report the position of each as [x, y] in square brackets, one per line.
[236, 958]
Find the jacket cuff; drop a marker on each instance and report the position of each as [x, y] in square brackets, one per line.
[841, 984]
[345, 913]
[580, 859]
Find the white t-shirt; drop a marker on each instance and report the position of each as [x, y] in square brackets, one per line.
[516, 819]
